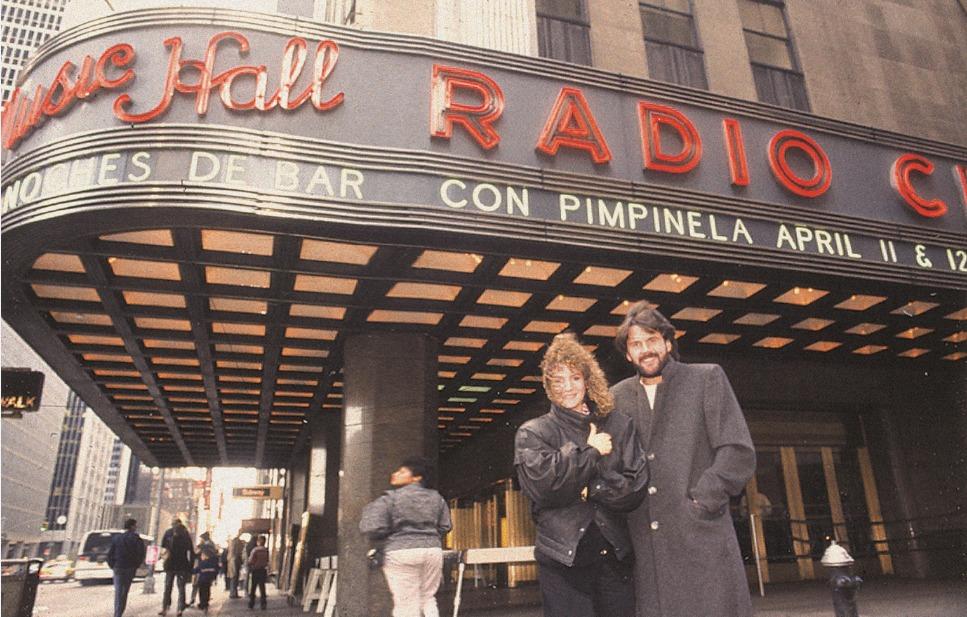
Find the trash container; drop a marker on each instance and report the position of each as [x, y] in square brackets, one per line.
[19, 586]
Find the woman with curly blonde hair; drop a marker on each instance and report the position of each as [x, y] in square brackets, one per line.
[582, 468]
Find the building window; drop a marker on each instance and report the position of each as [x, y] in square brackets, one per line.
[563, 31]
[671, 43]
[778, 79]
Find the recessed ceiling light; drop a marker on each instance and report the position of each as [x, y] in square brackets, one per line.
[914, 308]
[500, 297]
[960, 315]
[737, 289]
[236, 242]
[59, 262]
[869, 350]
[756, 319]
[603, 277]
[478, 321]
[529, 269]
[719, 338]
[456, 341]
[860, 302]
[570, 303]
[773, 342]
[865, 329]
[957, 355]
[813, 324]
[801, 296]
[670, 283]
[336, 252]
[412, 317]
[957, 337]
[601, 330]
[912, 333]
[696, 314]
[914, 352]
[549, 327]
[424, 291]
[446, 260]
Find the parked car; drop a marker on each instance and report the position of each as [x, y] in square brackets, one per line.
[91, 566]
[59, 569]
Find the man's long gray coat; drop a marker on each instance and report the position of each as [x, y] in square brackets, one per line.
[687, 559]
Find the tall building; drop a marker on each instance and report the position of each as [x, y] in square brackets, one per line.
[76, 504]
[29, 452]
[26, 25]
[348, 232]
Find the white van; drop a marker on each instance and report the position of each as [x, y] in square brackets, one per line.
[91, 565]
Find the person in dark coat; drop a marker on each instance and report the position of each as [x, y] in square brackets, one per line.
[125, 557]
[581, 466]
[699, 452]
[178, 560]
[258, 567]
[206, 571]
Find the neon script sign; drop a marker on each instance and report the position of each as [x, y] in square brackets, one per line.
[460, 98]
[23, 113]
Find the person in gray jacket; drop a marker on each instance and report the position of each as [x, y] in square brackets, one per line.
[410, 521]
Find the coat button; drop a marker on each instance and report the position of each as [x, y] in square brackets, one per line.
[652, 490]
[581, 530]
[651, 456]
[604, 551]
[654, 526]
[569, 552]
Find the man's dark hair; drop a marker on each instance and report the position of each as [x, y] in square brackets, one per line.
[418, 466]
[130, 524]
[260, 541]
[644, 315]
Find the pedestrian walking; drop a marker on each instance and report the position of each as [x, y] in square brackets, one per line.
[206, 572]
[410, 521]
[223, 567]
[204, 543]
[699, 454]
[258, 564]
[125, 557]
[234, 565]
[178, 559]
[582, 468]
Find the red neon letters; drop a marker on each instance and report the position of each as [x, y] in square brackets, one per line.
[651, 118]
[477, 119]
[23, 114]
[779, 147]
[905, 165]
[735, 148]
[293, 59]
[571, 124]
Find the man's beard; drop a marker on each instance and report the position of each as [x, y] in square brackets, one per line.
[662, 363]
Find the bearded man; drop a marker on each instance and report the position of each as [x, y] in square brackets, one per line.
[699, 453]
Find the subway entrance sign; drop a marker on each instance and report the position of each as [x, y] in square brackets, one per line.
[21, 391]
[258, 492]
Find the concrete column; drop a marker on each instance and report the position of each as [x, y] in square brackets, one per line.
[323, 497]
[617, 43]
[389, 414]
[726, 56]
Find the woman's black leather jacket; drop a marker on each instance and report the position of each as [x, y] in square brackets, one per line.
[554, 466]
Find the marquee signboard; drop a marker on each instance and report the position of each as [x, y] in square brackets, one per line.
[333, 115]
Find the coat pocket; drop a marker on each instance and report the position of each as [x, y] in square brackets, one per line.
[698, 511]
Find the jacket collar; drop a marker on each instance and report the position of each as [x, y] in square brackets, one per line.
[575, 419]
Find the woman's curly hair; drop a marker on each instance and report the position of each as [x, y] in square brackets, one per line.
[565, 350]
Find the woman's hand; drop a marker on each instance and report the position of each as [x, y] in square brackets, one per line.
[599, 441]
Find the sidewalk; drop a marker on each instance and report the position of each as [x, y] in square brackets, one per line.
[878, 598]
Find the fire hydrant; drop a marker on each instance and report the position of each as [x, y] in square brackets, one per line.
[844, 585]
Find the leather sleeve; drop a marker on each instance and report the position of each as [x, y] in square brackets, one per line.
[552, 477]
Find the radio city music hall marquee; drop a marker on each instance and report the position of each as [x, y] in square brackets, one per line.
[376, 99]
